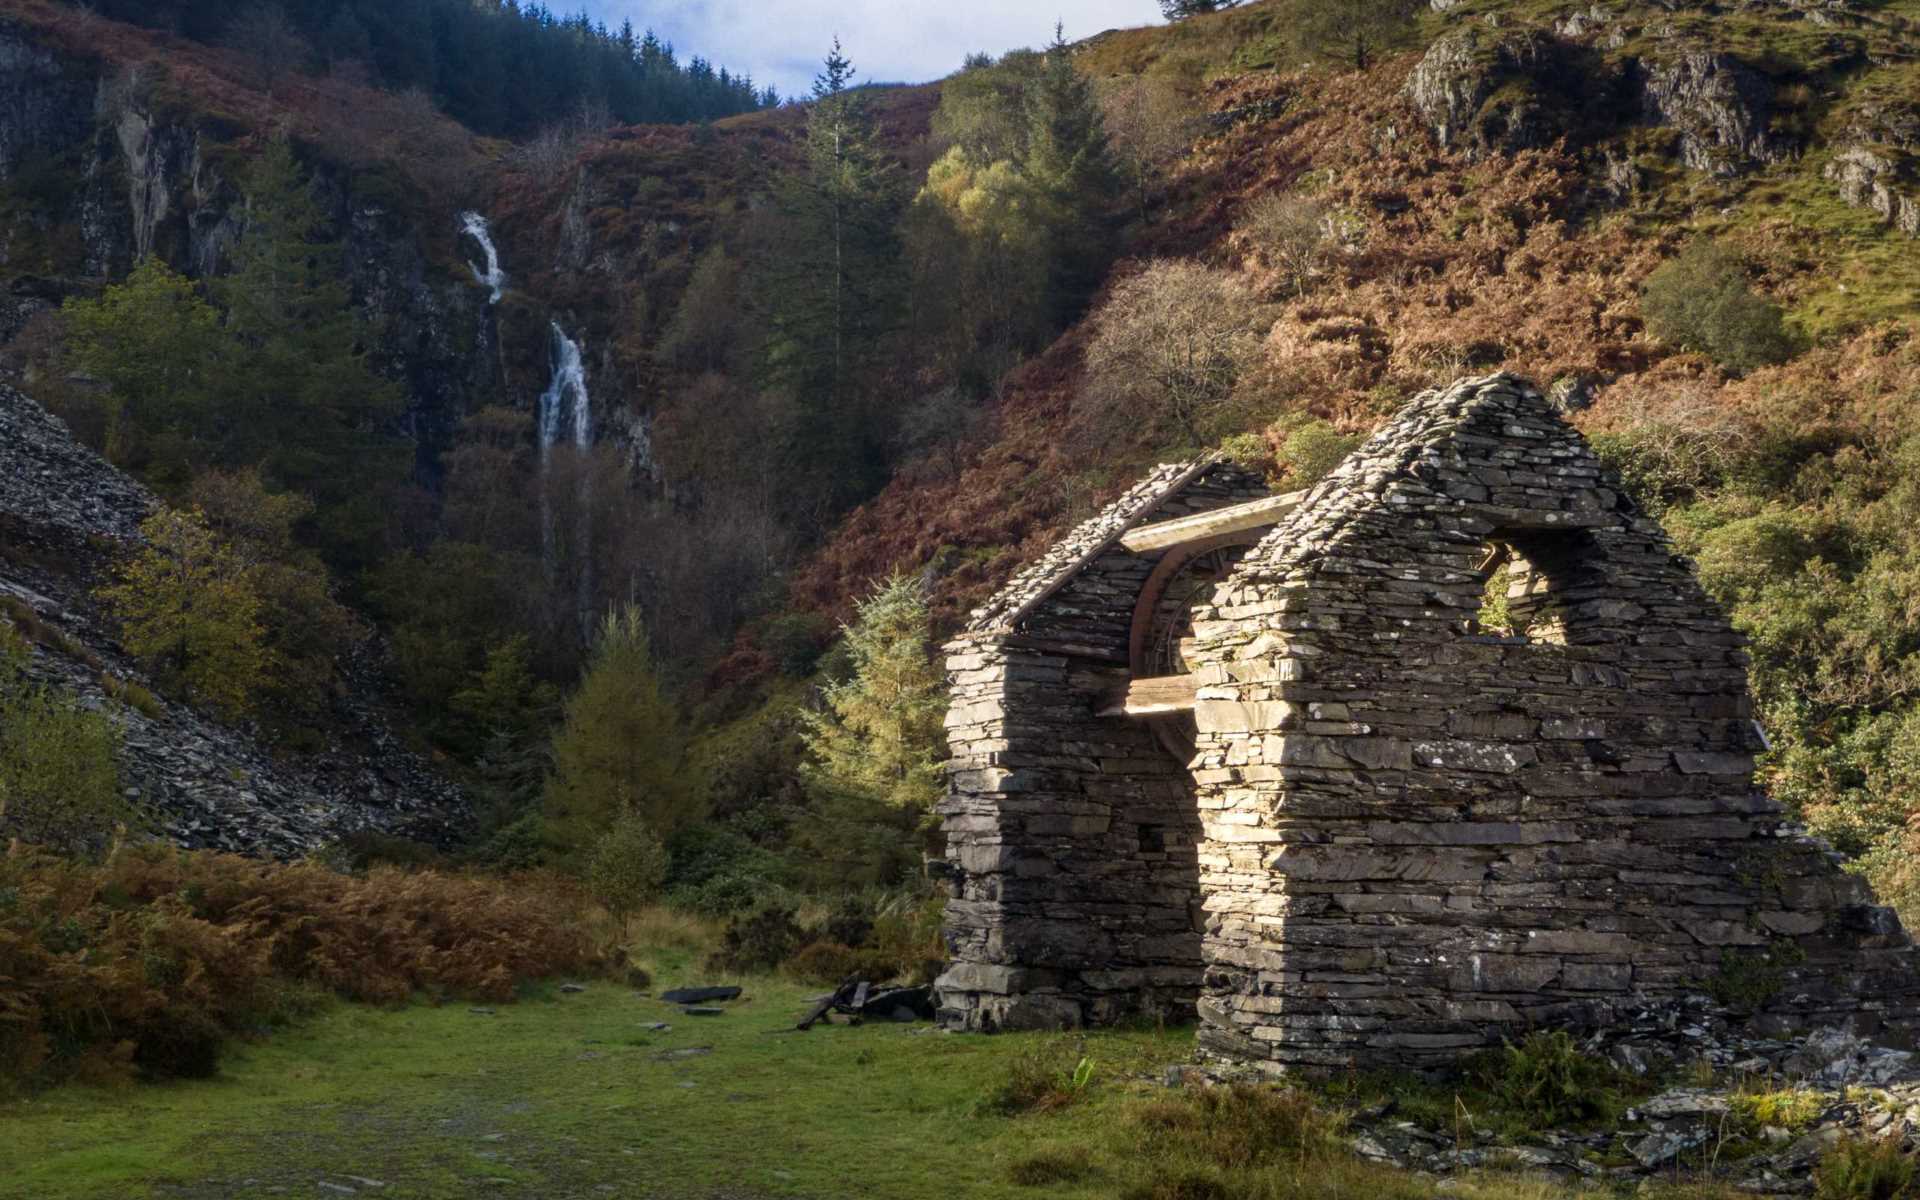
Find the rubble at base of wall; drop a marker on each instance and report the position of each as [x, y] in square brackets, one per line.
[1854, 1088]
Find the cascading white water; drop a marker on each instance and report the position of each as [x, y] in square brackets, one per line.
[565, 412]
[475, 226]
[564, 408]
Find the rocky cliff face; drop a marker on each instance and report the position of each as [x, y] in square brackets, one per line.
[63, 514]
[137, 177]
[1877, 166]
[1493, 87]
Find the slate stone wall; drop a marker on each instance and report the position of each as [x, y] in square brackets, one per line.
[1403, 836]
[1072, 836]
[1420, 836]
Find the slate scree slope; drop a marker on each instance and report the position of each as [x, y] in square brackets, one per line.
[1257, 754]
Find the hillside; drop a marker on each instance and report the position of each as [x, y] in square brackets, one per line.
[1493, 189]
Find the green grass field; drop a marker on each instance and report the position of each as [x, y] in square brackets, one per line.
[572, 1095]
[561, 1095]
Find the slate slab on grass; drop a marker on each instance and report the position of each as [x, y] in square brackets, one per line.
[700, 995]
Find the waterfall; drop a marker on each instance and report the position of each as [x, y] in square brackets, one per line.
[566, 413]
[475, 226]
[564, 409]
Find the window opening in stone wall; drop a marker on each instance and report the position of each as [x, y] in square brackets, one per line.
[1526, 581]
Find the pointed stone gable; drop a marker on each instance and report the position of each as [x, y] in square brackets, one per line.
[1400, 835]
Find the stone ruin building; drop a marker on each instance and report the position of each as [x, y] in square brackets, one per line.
[1256, 754]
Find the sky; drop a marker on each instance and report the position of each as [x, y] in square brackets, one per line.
[782, 41]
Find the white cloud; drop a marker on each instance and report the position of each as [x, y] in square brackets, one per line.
[782, 41]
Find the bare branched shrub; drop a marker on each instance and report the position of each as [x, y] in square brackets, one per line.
[1292, 233]
[940, 427]
[1169, 345]
[549, 152]
[1152, 125]
[266, 35]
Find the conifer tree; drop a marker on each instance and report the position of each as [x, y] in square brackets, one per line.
[621, 748]
[1070, 160]
[875, 753]
[311, 410]
[1179, 10]
[832, 300]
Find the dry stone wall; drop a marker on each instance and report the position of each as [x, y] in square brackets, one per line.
[1414, 835]
[1072, 836]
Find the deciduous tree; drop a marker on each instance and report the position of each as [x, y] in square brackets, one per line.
[158, 348]
[1168, 346]
[189, 611]
[59, 763]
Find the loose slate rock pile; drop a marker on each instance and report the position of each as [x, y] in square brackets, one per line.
[1856, 1089]
[64, 514]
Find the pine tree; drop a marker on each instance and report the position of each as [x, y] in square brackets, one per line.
[1354, 32]
[832, 296]
[312, 411]
[1069, 159]
[1179, 10]
[621, 748]
[875, 753]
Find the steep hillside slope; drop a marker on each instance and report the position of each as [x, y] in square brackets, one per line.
[1500, 199]
[64, 516]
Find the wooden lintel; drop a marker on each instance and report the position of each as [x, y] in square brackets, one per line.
[1235, 518]
[1066, 649]
[1153, 697]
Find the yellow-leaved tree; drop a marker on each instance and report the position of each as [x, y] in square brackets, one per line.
[621, 749]
[190, 612]
[875, 752]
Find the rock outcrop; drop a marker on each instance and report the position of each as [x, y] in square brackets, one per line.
[1877, 164]
[1485, 90]
[138, 177]
[1720, 107]
[63, 514]
[1490, 88]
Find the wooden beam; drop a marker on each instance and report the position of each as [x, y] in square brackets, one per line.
[1235, 518]
[1153, 697]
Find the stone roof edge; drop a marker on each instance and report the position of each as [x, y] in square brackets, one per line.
[1402, 430]
[1102, 531]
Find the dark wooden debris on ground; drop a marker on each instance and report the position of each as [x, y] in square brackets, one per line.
[859, 998]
